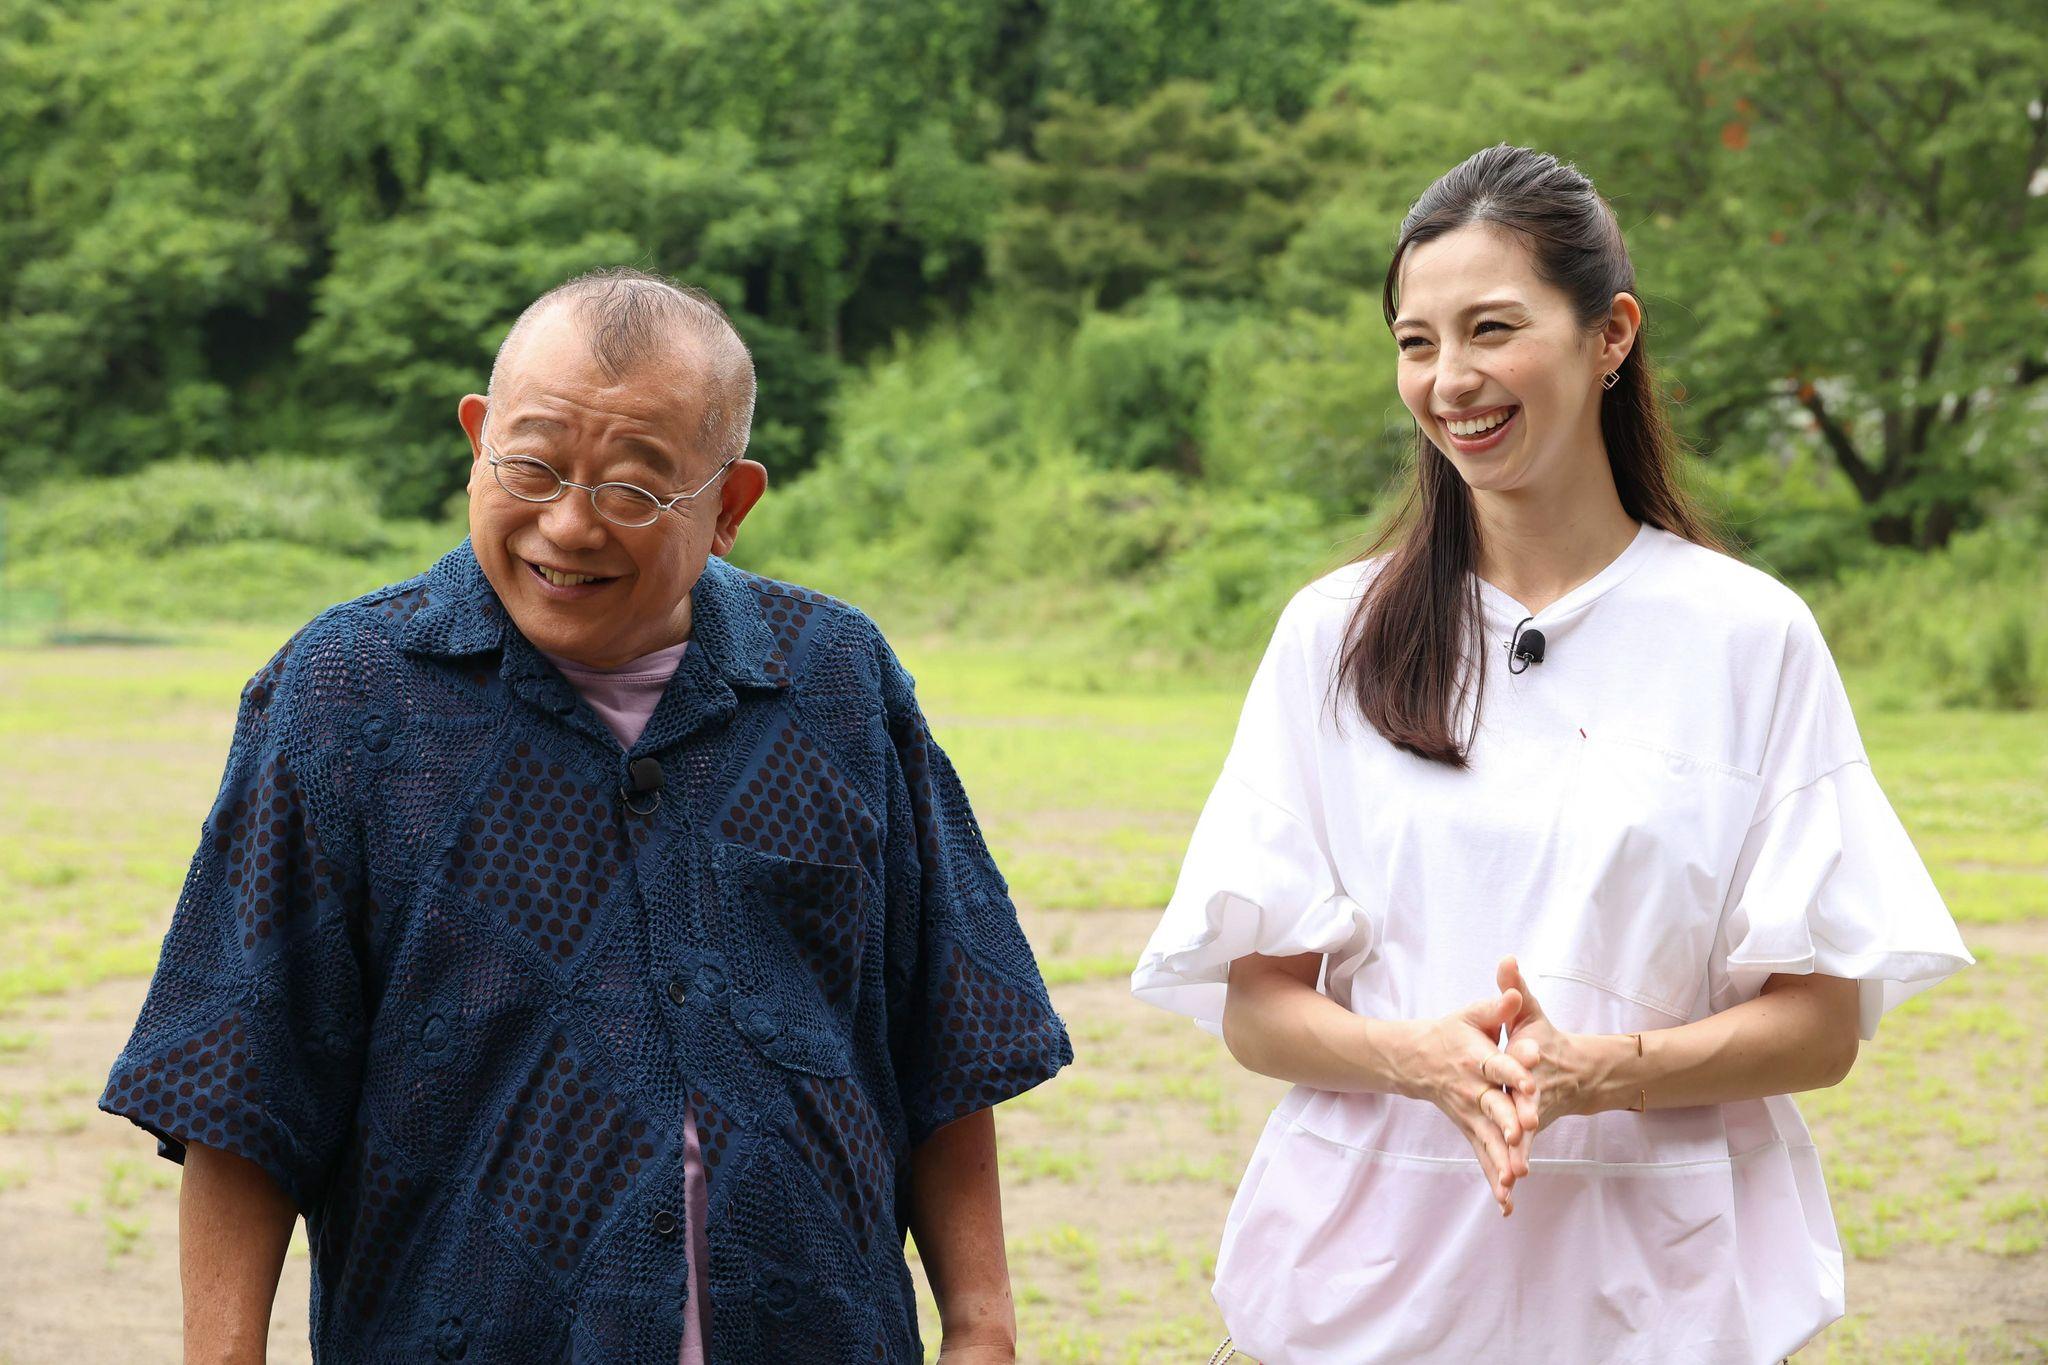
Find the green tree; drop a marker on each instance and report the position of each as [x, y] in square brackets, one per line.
[1267, 58]
[190, 190]
[1836, 210]
[1175, 192]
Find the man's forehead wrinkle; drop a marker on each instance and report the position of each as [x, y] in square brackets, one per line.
[639, 437]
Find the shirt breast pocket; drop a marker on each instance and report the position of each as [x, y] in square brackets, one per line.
[798, 935]
[1652, 836]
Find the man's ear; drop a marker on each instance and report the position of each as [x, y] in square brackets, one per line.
[744, 484]
[470, 413]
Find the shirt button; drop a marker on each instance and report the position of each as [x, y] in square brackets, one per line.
[665, 1224]
[451, 1339]
[676, 990]
[760, 1024]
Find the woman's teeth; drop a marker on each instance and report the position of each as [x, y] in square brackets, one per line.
[1479, 424]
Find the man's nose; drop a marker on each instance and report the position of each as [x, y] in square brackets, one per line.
[572, 523]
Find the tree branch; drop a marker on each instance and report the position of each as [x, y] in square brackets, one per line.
[1891, 439]
[2037, 154]
[1924, 412]
[1833, 80]
[1868, 485]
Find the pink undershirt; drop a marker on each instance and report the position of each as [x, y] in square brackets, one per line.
[624, 698]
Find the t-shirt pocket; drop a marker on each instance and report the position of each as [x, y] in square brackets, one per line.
[1652, 836]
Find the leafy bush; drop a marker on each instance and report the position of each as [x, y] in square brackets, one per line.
[1309, 409]
[185, 542]
[1965, 626]
[323, 505]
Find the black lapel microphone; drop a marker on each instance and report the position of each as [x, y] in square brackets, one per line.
[1525, 648]
[642, 790]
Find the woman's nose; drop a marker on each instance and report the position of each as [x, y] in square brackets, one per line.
[1455, 381]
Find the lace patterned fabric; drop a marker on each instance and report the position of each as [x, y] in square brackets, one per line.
[434, 973]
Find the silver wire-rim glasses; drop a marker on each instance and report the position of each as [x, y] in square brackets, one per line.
[623, 504]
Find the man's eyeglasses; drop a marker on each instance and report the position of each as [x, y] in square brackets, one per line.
[622, 504]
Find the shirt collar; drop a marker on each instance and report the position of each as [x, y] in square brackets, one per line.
[462, 616]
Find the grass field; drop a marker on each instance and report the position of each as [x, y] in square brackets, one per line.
[1117, 1174]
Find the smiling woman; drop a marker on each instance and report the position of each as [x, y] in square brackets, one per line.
[1575, 918]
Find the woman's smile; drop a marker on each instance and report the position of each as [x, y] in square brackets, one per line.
[1481, 433]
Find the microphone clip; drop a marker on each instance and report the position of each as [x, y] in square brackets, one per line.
[642, 788]
[1525, 647]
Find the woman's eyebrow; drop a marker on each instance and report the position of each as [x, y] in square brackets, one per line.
[1479, 307]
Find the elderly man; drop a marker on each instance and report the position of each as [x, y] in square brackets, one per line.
[589, 937]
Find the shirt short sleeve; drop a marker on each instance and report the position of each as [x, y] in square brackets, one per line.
[1257, 877]
[971, 1023]
[1827, 880]
[250, 1037]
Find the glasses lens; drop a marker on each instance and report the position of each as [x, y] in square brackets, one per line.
[626, 505]
[529, 479]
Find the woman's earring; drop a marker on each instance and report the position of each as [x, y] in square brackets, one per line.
[1610, 379]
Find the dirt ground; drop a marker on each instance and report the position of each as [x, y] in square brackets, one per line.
[1117, 1177]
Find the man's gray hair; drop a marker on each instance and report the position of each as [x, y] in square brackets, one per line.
[631, 317]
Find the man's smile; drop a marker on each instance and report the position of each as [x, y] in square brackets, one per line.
[561, 583]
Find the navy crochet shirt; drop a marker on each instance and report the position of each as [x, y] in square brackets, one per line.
[435, 971]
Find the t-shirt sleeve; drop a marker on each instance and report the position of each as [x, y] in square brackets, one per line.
[1258, 877]
[250, 1038]
[1827, 880]
[971, 1024]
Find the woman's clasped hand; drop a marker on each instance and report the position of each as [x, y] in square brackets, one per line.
[1498, 1097]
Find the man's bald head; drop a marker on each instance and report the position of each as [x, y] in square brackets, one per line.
[632, 318]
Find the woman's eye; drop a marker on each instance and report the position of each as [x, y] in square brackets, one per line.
[1422, 340]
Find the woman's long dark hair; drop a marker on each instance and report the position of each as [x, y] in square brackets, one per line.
[1410, 650]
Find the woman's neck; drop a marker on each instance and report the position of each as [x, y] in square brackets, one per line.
[1538, 544]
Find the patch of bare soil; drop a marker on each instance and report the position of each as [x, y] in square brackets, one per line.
[1120, 1172]
[88, 1211]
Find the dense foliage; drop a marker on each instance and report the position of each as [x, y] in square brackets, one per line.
[1075, 292]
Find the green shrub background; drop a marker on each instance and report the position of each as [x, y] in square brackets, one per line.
[1067, 314]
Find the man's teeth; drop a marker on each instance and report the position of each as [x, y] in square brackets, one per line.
[564, 580]
[1479, 424]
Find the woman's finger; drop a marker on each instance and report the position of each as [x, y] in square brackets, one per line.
[1488, 1016]
[1529, 1109]
[1496, 1106]
[1504, 1068]
[1509, 977]
[1487, 1167]
[1496, 1151]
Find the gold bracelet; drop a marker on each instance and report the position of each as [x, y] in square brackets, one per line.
[1642, 1096]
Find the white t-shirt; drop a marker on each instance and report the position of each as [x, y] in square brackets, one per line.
[1672, 806]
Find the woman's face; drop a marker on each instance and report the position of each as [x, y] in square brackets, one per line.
[1495, 368]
